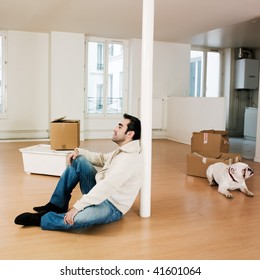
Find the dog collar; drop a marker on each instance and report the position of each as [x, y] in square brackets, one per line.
[231, 175]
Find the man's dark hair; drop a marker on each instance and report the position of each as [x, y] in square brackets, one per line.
[134, 125]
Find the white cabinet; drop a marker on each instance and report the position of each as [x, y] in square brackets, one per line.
[250, 123]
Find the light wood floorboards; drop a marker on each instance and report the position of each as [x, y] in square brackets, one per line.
[190, 219]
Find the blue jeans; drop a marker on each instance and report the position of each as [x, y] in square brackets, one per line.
[80, 171]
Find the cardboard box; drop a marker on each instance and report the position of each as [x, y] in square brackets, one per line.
[64, 134]
[210, 142]
[197, 164]
[40, 159]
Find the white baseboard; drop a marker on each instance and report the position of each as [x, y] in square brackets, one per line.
[23, 134]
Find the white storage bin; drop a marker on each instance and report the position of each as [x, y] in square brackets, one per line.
[40, 159]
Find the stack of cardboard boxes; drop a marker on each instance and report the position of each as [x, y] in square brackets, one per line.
[208, 147]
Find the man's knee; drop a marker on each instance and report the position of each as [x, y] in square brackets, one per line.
[81, 163]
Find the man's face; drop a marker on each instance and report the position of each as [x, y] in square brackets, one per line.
[120, 137]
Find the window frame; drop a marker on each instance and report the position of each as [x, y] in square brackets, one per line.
[3, 114]
[203, 84]
[107, 53]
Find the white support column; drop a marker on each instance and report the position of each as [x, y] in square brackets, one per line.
[146, 104]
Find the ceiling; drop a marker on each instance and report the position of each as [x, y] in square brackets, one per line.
[219, 23]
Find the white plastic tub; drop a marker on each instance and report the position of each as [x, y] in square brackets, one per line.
[40, 159]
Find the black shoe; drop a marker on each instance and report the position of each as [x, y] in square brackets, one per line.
[49, 207]
[29, 219]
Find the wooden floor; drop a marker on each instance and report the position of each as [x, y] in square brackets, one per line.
[190, 220]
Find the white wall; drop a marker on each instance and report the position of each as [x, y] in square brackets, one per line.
[46, 81]
[188, 114]
[27, 86]
[171, 70]
[170, 78]
[257, 148]
[67, 61]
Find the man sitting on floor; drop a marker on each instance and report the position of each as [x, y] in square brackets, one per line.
[107, 194]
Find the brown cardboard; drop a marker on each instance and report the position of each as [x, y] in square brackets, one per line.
[198, 164]
[64, 134]
[210, 142]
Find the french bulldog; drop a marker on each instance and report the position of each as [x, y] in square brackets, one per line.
[229, 177]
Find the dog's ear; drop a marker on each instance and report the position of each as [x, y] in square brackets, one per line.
[232, 170]
[249, 172]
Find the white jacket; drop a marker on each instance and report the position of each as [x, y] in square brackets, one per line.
[119, 179]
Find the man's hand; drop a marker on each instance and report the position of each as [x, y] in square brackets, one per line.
[72, 156]
[69, 216]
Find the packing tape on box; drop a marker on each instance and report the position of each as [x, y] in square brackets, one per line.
[204, 159]
[233, 160]
[205, 138]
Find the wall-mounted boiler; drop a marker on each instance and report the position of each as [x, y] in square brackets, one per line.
[247, 74]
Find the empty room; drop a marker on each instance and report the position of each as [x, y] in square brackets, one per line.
[187, 72]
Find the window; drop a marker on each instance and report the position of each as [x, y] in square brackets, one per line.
[205, 73]
[100, 57]
[3, 109]
[106, 76]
